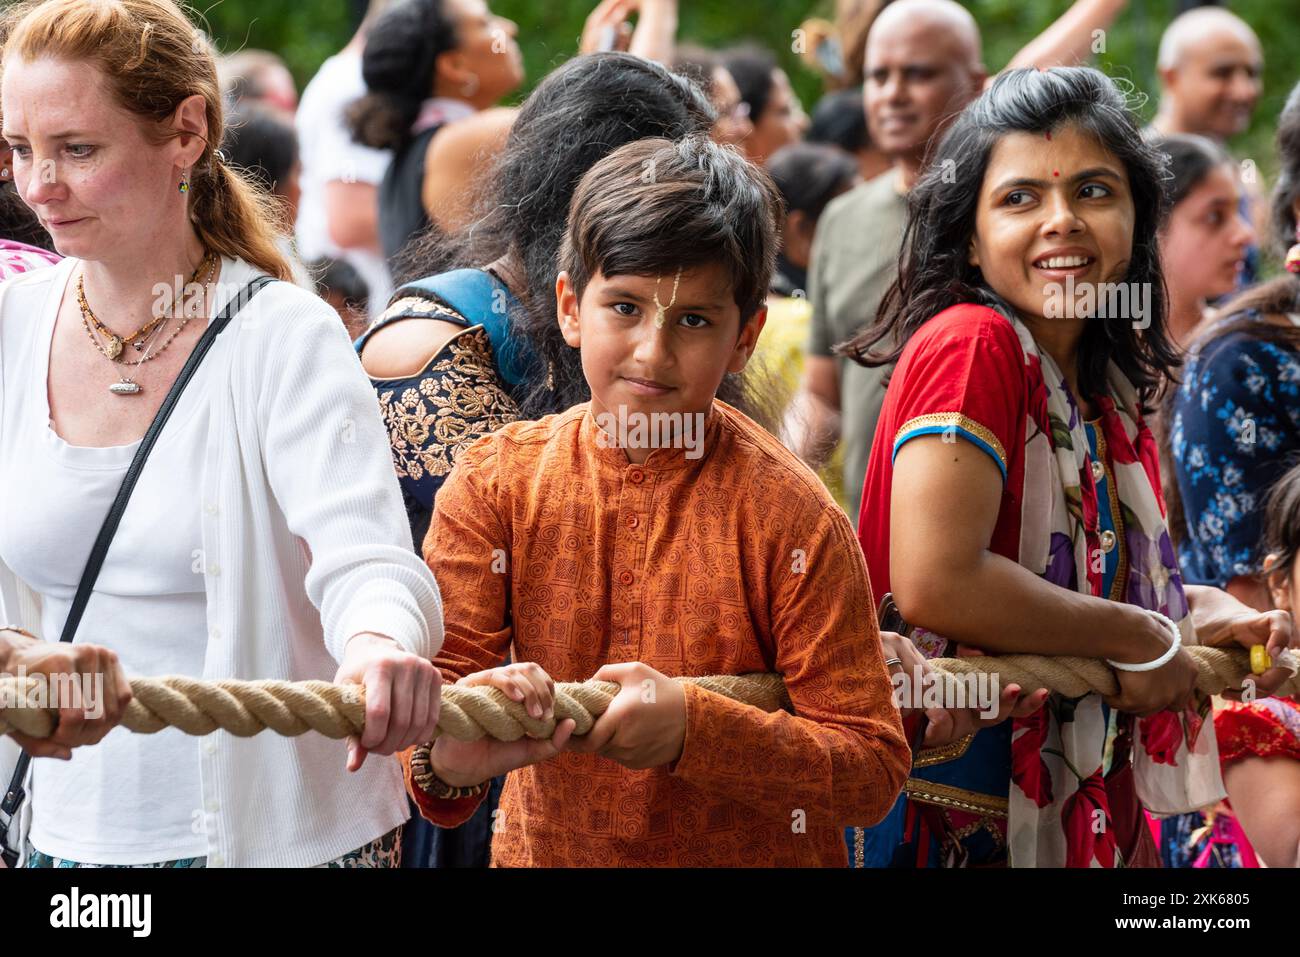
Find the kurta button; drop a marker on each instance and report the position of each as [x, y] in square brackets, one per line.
[215, 634]
[212, 807]
[1107, 541]
[217, 860]
[1098, 471]
[636, 476]
[633, 521]
[210, 508]
[209, 747]
[214, 570]
[625, 577]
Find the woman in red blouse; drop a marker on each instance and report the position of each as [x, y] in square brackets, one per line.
[1012, 502]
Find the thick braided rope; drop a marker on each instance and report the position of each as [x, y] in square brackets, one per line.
[198, 707]
[1217, 670]
[291, 708]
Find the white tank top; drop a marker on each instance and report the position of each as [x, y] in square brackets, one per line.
[148, 605]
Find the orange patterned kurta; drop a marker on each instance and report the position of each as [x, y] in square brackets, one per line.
[733, 562]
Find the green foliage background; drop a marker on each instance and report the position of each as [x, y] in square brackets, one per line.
[304, 32]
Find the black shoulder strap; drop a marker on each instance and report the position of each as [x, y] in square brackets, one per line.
[15, 793]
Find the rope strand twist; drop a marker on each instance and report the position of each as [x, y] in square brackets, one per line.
[290, 708]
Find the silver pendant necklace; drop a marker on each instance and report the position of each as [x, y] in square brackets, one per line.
[127, 384]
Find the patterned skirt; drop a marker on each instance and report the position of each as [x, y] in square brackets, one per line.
[383, 851]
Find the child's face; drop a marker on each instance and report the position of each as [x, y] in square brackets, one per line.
[1051, 208]
[629, 360]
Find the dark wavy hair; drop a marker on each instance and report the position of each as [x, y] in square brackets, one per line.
[839, 119]
[1287, 189]
[810, 175]
[697, 64]
[1191, 158]
[933, 269]
[704, 204]
[1282, 522]
[1281, 295]
[577, 115]
[401, 53]
[751, 66]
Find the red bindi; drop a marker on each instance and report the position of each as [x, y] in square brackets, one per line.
[1048, 134]
[1056, 172]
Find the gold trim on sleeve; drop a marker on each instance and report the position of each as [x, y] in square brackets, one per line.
[944, 752]
[958, 421]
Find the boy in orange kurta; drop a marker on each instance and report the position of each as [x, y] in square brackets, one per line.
[616, 541]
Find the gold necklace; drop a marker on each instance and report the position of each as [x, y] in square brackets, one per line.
[111, 347]
[126, 385]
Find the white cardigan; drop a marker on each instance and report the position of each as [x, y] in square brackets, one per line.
[305, 543]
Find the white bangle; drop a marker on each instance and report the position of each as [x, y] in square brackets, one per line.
[1163, 659]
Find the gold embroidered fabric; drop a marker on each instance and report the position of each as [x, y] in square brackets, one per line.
[417, 307]
[943, 753]
[946, 795]
[455, 400]
[958, 422]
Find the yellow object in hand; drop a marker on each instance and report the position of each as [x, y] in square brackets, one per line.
[1260, 661]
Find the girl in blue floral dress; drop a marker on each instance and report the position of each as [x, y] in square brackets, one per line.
[1234, 433]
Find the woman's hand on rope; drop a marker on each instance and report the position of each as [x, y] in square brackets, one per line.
[468, 763]
[403, 695]
[645, 724]
[946, 725]
[1167, 688]
[88, 683]
[1275, 630]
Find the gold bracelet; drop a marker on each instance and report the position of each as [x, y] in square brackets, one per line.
[427, 781]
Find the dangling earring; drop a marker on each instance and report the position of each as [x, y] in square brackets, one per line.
[550, 376]
[1293, 255]
[184, 186]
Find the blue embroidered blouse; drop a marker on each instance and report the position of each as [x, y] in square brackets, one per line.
[465, 391]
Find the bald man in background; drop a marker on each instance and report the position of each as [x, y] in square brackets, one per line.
[1210, 65]
[923, 66]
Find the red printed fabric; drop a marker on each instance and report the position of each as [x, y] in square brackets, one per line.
[975, 374]
[1266, 728]
[961, 376]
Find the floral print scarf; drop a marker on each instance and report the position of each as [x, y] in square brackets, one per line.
[1058, 813]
